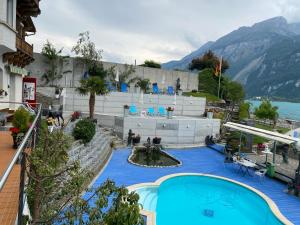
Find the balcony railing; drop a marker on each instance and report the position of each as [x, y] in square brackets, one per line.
[24, 47]
[29, 142]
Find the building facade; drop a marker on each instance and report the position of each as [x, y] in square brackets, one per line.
[15, 53]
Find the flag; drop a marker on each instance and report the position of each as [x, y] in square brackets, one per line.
[218, 68]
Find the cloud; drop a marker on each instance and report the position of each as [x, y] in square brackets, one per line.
[161, 30]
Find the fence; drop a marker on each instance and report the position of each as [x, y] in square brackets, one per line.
[29, 142]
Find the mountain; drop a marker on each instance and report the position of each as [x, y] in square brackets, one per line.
[265, 58]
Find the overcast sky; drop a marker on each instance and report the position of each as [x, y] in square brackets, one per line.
[161, 30]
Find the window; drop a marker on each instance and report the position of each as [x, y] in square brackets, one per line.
[10, 12]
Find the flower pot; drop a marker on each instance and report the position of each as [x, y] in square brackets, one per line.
[126, 112]
[169, 114]
[179, 92]
[210, 115]
[156, 140]
[15, 142]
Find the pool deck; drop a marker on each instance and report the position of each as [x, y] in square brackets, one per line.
[198, 160]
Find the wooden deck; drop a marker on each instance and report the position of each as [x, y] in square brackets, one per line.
[9, 195]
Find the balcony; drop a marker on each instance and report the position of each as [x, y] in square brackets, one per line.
[28, 7]
[23, 56]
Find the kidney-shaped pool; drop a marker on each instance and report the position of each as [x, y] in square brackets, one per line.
[194, 199]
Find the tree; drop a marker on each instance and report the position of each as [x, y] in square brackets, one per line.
[123, 75]
[234, 92]
[151, 63]
[87, 50]
[94, 86]
[53, 180]
[244, 111]
[95, 83]
[267, 111]
[208, 83]
[55, 60]
[56, 184]
[142, 83]
[113, 206]
[208, 60]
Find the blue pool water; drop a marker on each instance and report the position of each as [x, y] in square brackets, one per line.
[195, 200]
[286, 110]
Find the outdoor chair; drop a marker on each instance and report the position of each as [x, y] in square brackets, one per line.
[151, 111]
[261, 173]
[155, 88]
[170, 90]
[162, 111]
[133, 110]
[123, 87]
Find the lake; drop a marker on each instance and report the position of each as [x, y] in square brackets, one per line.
[286, 110]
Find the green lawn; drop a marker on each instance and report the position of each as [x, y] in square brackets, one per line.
[209, 97]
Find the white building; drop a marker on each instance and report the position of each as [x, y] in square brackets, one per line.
[15, 52]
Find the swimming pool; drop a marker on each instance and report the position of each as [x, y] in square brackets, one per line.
[194, 199]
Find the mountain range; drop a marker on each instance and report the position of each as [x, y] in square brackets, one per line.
[265, 58]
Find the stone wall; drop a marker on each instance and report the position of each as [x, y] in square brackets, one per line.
[72, 71]
[93, 155]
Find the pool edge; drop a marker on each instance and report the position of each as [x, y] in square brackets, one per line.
[151, 216]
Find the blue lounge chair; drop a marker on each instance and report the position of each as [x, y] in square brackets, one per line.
[133, 110]
[151, 111]
[155, 88]
[170, 90]
[109, 86]
[162, 111]
[123, 87]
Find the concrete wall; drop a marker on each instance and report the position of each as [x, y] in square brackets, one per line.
[180, 130]
[113, 103]
[73, 70]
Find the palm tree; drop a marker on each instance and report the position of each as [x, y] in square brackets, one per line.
[94, 85]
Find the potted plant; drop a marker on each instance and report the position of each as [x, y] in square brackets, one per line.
[156, 140]
[57, 93]
[210, 114]
[136, 139]
[3, 93]
[126, 110]
[14, 133]
[170, 112]
[75, 115]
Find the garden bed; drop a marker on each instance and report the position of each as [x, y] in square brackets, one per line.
[152, 157]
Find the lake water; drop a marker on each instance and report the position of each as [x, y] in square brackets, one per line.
[286, 110]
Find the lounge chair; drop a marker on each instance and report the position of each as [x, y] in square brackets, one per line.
[155, 88]
[151, 111]
[123, 87]
[133, 110]
[109, 86]
[170, 90]
[162, 111]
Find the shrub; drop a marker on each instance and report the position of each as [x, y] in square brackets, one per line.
[84, 130]
[22, 119]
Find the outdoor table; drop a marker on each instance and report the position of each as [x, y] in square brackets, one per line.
[267, 152]
[245, 164]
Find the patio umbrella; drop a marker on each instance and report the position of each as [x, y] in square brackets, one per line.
[117, 78]
[175, 99]
[141, 100]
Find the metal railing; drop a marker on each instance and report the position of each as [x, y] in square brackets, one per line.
[29, 142]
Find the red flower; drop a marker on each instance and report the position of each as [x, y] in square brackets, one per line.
[14, 130]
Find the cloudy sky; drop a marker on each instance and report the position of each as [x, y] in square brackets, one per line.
[161, 30]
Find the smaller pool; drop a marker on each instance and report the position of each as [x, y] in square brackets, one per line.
[195, 199]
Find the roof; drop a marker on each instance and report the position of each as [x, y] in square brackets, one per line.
[262, 133]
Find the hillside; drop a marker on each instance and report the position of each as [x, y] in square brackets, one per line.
[265, 58]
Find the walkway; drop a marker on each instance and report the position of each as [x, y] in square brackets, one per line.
[198, 160]
[9, 195]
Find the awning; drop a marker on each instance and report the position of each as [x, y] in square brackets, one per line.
[18, 70]
[262, 133]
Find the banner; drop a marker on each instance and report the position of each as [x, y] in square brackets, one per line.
[29, 90]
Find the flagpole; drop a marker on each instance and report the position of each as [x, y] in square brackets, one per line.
[220, 77]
